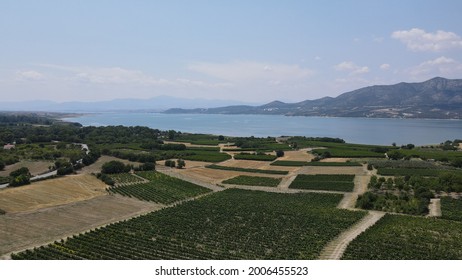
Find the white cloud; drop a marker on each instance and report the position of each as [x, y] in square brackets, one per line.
[419, 40]
[441, 66]
[29, 75]
[385, 66]
[249, 71]
[351, 67]
[116, 75]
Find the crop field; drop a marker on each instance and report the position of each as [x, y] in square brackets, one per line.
[451, 209]
[254, 181]
[233, 224]
[397, 237]
[51, 192]
[343, 183]
[125, 178]
[250, 170]
[208, 156]
[26, 229]
[289, 163]
[330, 163]
[161, 189]
[348, 152]
[255, 157]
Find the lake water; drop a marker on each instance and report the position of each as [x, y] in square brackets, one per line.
[353, 130]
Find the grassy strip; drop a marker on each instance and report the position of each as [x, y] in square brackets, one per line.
[289, 163]
[255, 157]
[349, 153]
[251, 170]
[254, 181]
[337, 164]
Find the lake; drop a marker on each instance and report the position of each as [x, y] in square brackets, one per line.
[353, 130]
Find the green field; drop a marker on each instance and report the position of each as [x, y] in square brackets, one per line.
[125, 178]
[233, 224]
[397, 237]
[451, 209]
[250, 170]
[161, 189]
[253, 181]
[343, 183]
[414, 172]
[260, 157]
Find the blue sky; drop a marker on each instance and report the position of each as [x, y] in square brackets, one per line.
[253, 51]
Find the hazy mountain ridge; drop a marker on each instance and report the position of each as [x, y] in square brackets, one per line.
[436, 98]
[155, 104]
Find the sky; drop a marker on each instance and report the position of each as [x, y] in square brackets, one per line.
[252, 51]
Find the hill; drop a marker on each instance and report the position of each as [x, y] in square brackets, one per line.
[437, 98]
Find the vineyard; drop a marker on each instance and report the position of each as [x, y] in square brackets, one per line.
[451, 209]
[233, 224]
[343, 183]
[262, 157]
[160, 188]
[289, 163]
[397, 237]
[336, 164]
[125, 178]
[250, 170]
[253, 181]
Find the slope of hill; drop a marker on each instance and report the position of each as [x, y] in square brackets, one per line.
[436, 98]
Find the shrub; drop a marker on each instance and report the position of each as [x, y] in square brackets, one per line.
[279, 153]
[113, 167]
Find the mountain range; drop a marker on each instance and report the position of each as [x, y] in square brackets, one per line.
[437, 98]
[155, 104]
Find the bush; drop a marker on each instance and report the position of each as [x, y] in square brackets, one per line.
[279, 153]
[106, 179]
[20, 180]
[20, 171]
[114, 167]
[170, 163]
[180, 163]
[2, 165]
[2, 212]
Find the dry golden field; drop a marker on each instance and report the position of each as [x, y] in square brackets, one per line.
[51, 193]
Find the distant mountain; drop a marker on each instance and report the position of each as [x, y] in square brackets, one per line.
[155, 104]
[436, 98]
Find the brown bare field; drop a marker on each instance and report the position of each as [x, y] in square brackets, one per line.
[35, 167]
[24, 230]
[189, 163]
[300, 155]
[96, 167]
[208, 175]
[51, 192]
[246, 164]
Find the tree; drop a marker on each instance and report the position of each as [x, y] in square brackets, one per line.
[21, 171]
[180, 163]
[221, 138]
[2, 165]
[279, 153]
[114, 166]
[395, 155]
[170, 163]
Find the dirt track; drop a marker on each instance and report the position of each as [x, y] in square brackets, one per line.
[335, 249]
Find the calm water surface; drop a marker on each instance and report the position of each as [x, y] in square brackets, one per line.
[353, 130]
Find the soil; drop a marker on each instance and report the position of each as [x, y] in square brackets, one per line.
[35, 167]
[51, 192]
